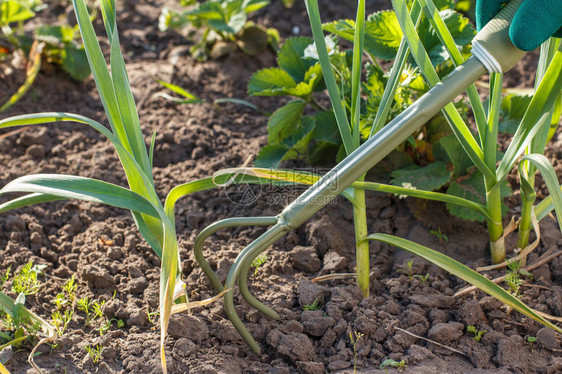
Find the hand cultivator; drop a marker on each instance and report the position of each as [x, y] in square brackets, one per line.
[493, 52]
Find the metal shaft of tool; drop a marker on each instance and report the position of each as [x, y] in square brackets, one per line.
[345, 173]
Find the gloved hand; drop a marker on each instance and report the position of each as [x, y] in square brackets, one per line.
[534, 22]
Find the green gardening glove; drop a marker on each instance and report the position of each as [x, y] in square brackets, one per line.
[534, 22]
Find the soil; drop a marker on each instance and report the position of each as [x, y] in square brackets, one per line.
[112, 263]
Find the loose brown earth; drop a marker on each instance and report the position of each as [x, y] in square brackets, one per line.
[195, 141]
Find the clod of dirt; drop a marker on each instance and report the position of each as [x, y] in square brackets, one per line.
[480, 355]
[417, 353]
[310, 291]
[15, 224]
[294, 346]
[333, 262]
[471, 313]
[137, 318]
[338, 365]
[305, 259]
[184, 347]
[433, 300]
[446, 332]
[512, 352]
[310, 367]
[98, 277]
[315, 323]
[183, 326]
[546, 338]
[36, 151]
[323, 235]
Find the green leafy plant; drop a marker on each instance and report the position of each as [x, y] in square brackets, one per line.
[478, 334]
[513, 277]
[223, 26]
[154, 220]
[61, 320]
[439, 235]
[259, 261]
[481, 150]
[94, 353]
[531, 340]
[58, 44]
[410, 272]
[392, 363]
[26, 279]
[317, 304]
[354, 336]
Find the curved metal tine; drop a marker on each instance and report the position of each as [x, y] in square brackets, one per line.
[250, 252]
[213, 228]
[245, 292]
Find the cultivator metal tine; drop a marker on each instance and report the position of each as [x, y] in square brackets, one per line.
[243, 284]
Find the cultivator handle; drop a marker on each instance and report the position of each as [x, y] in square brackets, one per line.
[493, 52]
[493, 47]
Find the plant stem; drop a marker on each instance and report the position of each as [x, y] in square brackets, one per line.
[495, 227]
[362, 246]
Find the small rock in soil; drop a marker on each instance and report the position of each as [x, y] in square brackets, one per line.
[310, 291]
[98, 277]
[310, 367]
[182, 326]
[333, 262]
[305, 259]
[546, 338]
[446, 332]
[471, 313]
[315, 323]
[433, 300]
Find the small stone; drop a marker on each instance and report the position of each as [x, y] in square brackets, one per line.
[333, 262]
[185, 347]
[308, 367]
[546, 338]
[305, 259]
[446, 332]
